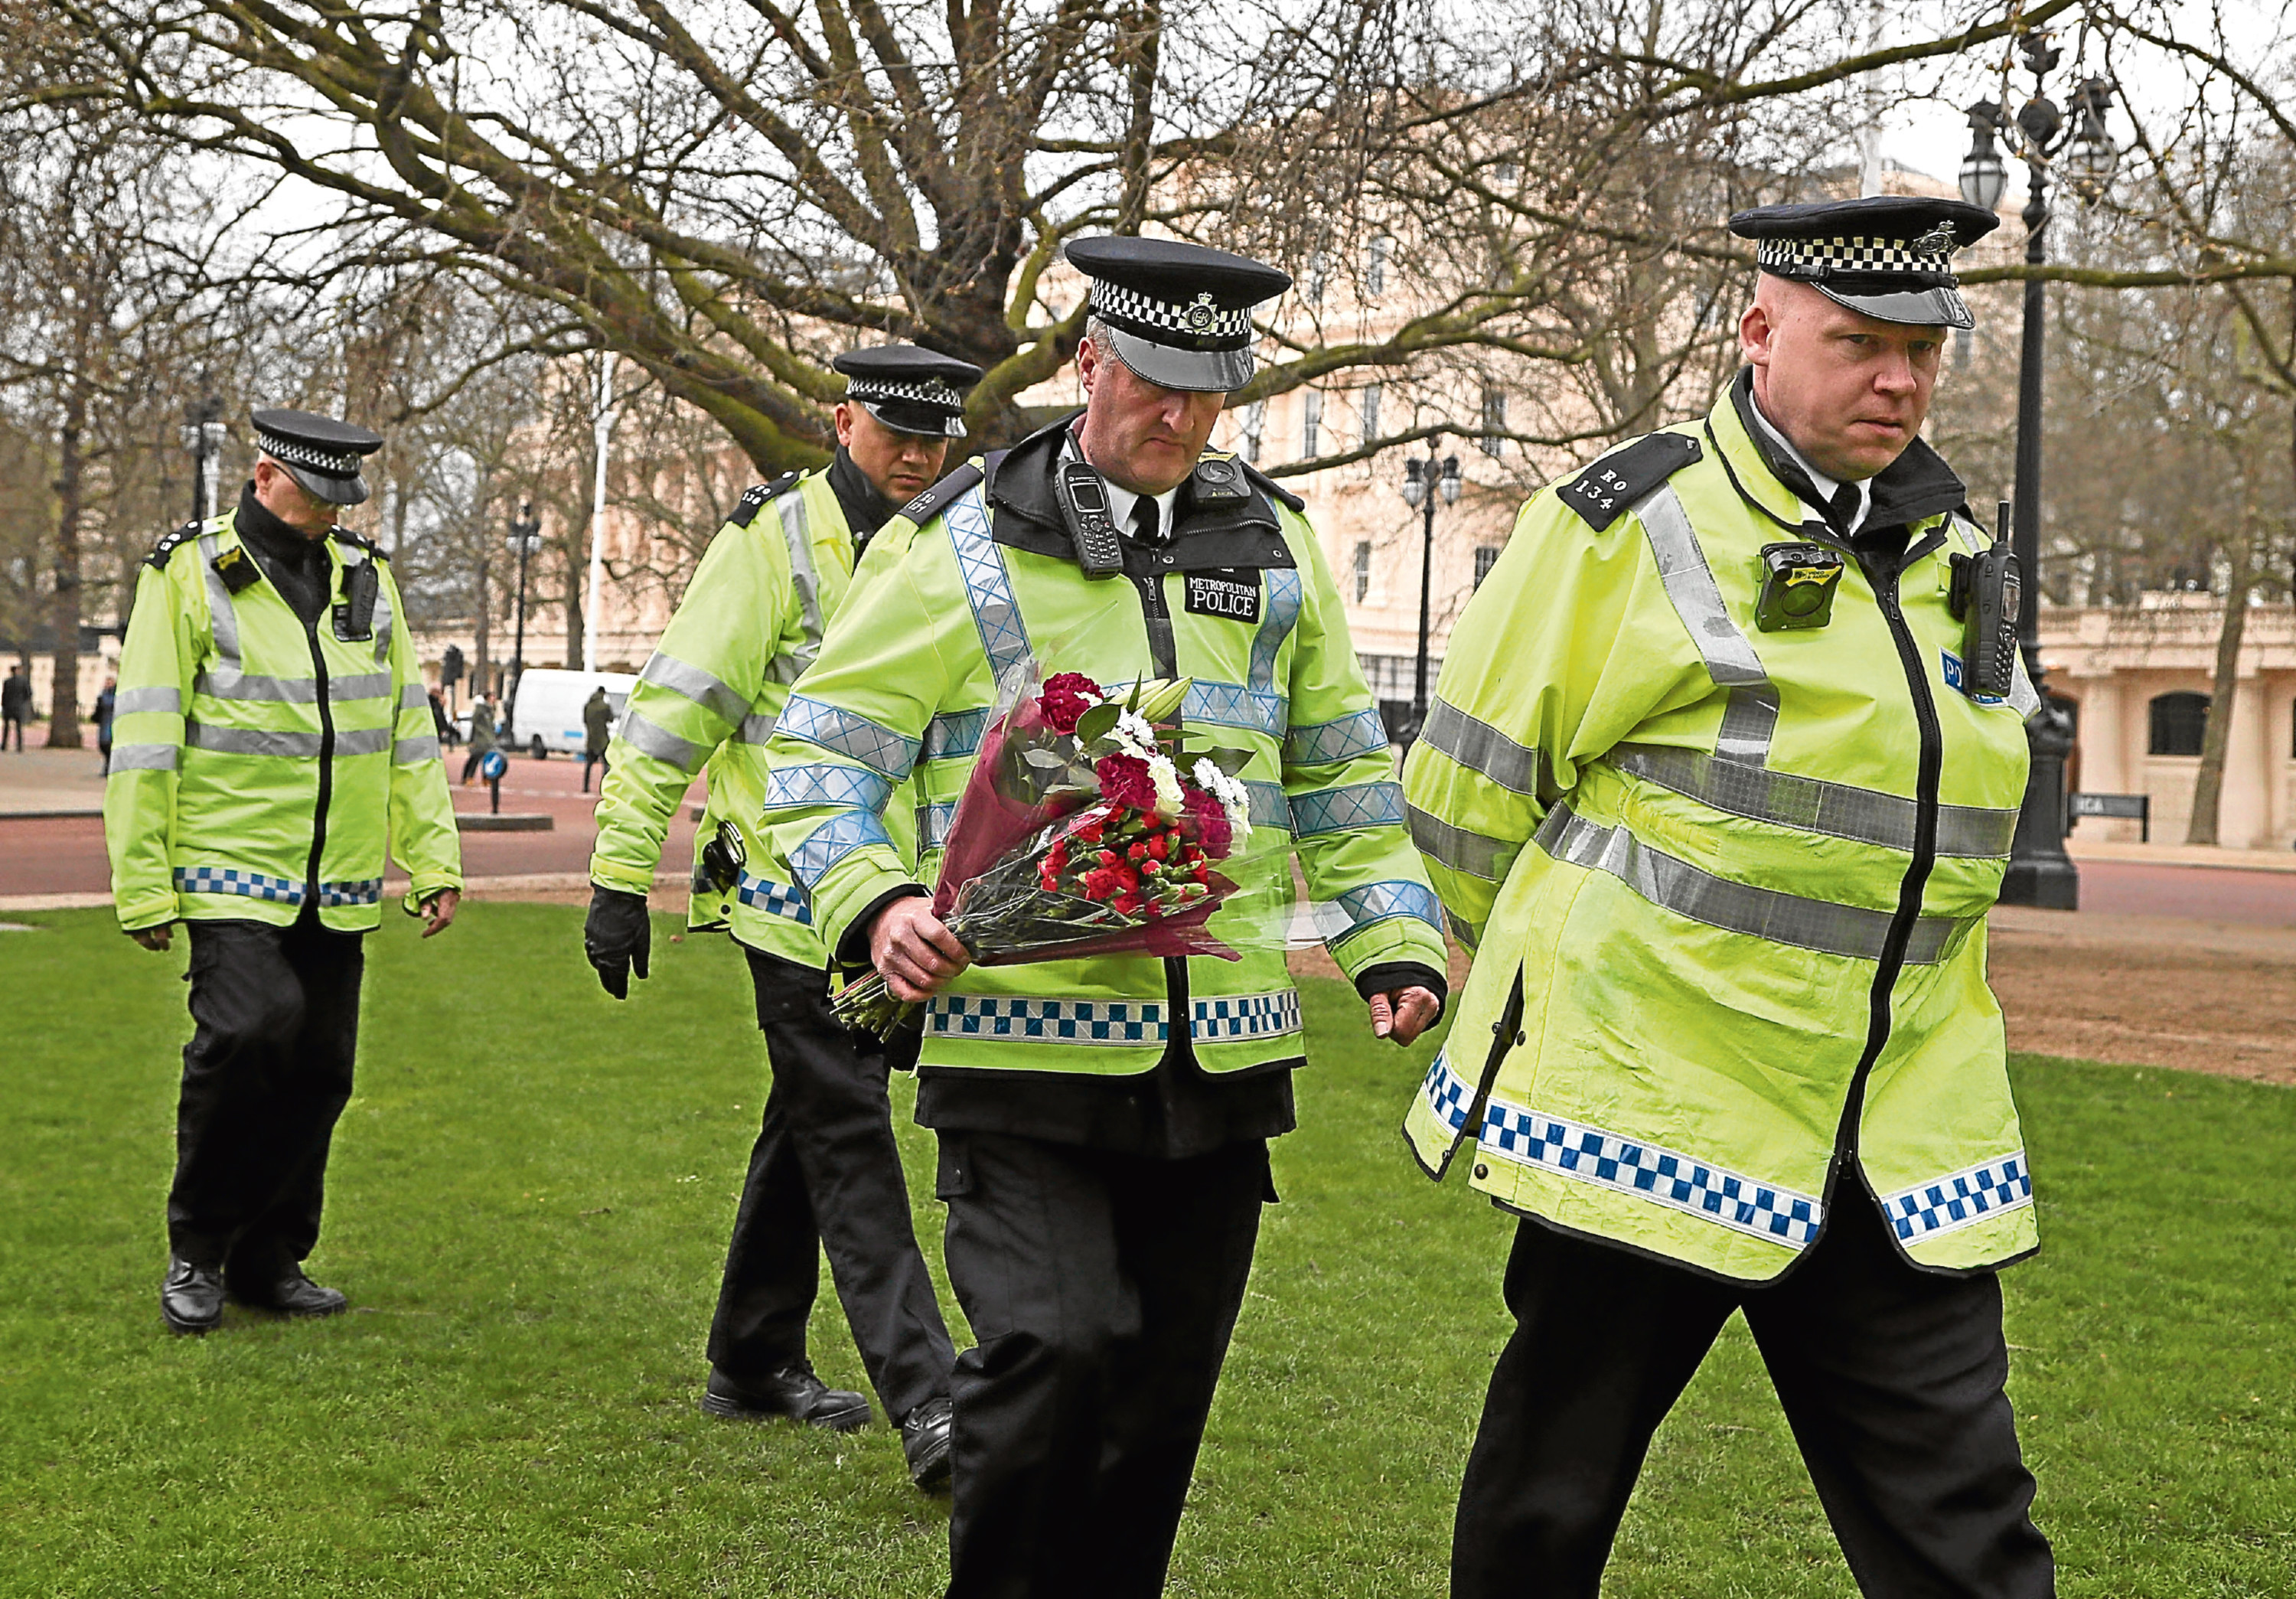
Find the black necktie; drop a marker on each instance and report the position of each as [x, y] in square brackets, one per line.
[1147, 527]
[1841, 510]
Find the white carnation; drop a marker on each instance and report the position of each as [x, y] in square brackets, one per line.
[1233, 798]
[1135, 730]
[1166, 776]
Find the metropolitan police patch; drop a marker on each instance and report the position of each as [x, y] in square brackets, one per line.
[1232, 592]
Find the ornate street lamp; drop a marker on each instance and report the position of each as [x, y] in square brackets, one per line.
[525, 536]
[2041, 872]
[203, 434]
[1424, 481]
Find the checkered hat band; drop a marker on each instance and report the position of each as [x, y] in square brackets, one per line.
[327, 464]
[935, 393]
[1192, 325]
[1831, 258]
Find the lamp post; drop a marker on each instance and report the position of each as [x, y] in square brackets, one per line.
[1423, 482]
[2041, 872]
[524, 535]
[203, 435]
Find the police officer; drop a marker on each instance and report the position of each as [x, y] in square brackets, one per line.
[824, 1174]
[1721, 775]
[1103, 1123]
[272, 734]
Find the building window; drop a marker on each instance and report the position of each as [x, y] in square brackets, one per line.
[1487, 556]
[1493, 420]
[1375, 267]
[1367, 407]
[1363, 570]
[2177, 722]
[1311, 422]
[1255, 419]
[1314, 286]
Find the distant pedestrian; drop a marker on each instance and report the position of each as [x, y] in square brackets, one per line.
[441, 721]
[15, 707]
[598, 722]
[104, 702]
[482, 736]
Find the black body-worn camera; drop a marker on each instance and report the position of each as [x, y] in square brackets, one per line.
[1797, 585]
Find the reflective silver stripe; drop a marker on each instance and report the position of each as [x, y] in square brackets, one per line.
[383, 618]
[648, 738]
[362, 740]
[987, 584]
[414, 696]
[955, 733]
[370, 685]
[1752, 712]
[844, 787]
[406, 750]
[757, 727]
[1347, 807]
[223, 615]
[1813, 806]
[933, 820]
[1476, 854]
[136, 701]
[1480, 747]
[1271, 807]
[146, 757]
[790, 665]
[250, 740]
[255, 686]
[2023, 697]
[1782, 918]
[1468, 934]
[710, 693]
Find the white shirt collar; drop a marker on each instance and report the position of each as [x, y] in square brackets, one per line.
[1818, 480]
[1122, 500]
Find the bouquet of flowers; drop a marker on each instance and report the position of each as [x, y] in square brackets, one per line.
[1089, 825]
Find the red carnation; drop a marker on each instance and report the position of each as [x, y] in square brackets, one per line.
[1066, 696]
[1210, 818]
[1124, 780]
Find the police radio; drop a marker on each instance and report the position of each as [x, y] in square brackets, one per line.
[1083, 506]
[1986, 591]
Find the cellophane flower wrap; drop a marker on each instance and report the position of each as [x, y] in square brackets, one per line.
[1089, 825]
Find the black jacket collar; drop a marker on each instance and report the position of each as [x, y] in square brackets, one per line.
[865, 509]
[1028, 517]
[1916, 485]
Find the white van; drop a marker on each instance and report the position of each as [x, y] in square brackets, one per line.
[549, 710]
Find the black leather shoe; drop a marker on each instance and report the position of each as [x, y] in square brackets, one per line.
[191, 1299]
[792, 1393]
[295, 1294]
[925, 1439]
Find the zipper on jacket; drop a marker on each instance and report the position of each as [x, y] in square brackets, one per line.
[1163, 655]
[1930, 764]
[326, 762]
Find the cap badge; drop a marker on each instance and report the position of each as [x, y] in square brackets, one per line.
[1200, 315]
[1937, 241]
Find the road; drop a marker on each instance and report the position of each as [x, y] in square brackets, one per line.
[65, 855]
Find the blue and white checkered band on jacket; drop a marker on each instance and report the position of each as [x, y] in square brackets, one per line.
[294, 452]
[1925, 263]
[1198, 323]
[933, 392]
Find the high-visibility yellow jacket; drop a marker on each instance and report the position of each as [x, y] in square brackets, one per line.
[1727, 887]
[971, 581]
[751, 622]
[255, 762]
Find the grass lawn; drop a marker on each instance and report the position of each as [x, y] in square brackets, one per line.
[528, 1205]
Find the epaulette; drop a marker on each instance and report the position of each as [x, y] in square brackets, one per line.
[1601, 493]
[936, 499]
[754, 501]
[1271, 487]
[360, 541]
[158, 558]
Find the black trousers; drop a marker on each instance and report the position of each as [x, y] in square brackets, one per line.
[266, 1073]
[599, 761]
[1891, 1378]
[1102, 1289]
[826, 1176]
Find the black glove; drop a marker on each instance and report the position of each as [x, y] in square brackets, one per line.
[617, 937]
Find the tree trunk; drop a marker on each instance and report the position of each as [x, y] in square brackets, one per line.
[2208, 783]
[64, 613]
[483, 614]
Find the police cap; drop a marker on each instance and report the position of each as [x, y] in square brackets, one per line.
[321, 454]
[910, 390]
[1888, 256]
[1180, 314]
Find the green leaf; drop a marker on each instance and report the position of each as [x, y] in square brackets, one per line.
[1230, 761]
[1097, 723]
[1043, 761]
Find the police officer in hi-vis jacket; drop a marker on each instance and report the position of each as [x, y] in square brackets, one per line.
[824, 1176]
[272, 734]
[1720, 780]
[1103, 1123]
